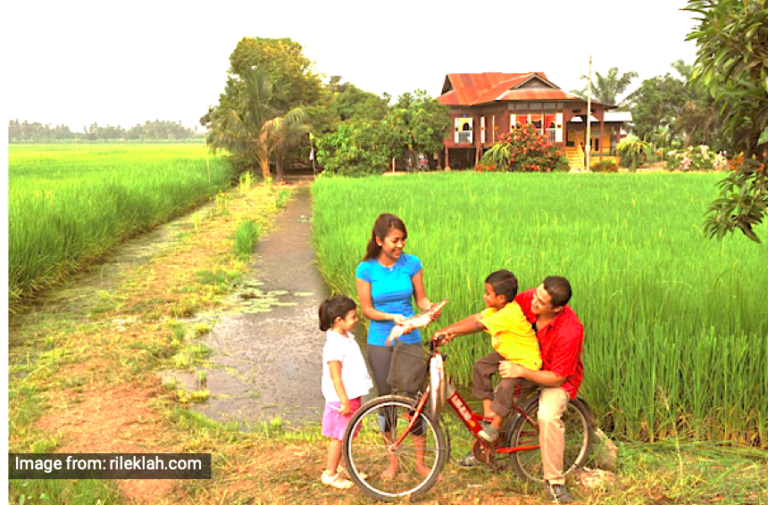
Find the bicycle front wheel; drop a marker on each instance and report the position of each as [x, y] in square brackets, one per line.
[578, 440]
[411, 468]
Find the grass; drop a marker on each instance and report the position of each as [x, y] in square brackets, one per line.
[70, 204]
[676, 325]
[72, 365]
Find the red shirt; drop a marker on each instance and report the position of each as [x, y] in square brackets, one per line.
[561, 341]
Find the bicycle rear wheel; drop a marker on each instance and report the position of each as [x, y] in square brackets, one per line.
[578, 440]
[366, 449]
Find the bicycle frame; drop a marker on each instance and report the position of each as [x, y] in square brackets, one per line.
[472, 421]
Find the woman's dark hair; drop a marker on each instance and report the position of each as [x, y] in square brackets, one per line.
[381, 228]
[336, 306]
[504, 283]
[559, 289]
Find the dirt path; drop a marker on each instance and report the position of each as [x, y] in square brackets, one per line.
[268, 357]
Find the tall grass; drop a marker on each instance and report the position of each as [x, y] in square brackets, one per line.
[246, 236]
[69, 204]
[676, 325]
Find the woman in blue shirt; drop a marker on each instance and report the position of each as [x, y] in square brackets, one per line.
[387, 281]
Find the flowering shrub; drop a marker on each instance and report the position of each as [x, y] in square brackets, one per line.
[521, 150]
[605, 166]
[696, 158]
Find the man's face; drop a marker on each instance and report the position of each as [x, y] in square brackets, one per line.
[541, 305]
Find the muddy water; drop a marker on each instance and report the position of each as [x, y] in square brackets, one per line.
[268, 346]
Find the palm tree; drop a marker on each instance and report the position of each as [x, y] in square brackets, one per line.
[606, 89]
[253, 128]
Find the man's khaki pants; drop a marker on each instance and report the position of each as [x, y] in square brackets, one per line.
[552, 405]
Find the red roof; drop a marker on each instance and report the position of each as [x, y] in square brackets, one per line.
[476, 89]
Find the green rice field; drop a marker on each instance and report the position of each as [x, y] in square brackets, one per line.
[70, 204]
[676, 325]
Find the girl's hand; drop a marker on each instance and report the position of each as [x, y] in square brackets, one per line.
[346, 409]
[399, 319]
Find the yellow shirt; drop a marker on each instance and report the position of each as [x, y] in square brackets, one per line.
[512, 335]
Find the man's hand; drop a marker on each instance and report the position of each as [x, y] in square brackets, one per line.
[509, 370]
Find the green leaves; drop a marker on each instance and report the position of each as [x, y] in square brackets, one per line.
[732, 64]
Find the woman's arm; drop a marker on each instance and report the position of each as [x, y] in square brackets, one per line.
[418, 291]
[338, 385]
[366, 303]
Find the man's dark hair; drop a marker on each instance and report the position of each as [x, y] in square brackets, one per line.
[504, 283]
[559, 289]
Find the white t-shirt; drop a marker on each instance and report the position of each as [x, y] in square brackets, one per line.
[354, 373]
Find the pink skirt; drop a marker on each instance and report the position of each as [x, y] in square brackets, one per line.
[335, 424]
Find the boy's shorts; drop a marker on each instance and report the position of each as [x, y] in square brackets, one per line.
[334, 423]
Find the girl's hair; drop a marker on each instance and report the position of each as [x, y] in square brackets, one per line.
[336, 306]
[381, 228]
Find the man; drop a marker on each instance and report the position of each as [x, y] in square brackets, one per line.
[561, 337]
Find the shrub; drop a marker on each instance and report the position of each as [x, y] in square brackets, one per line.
[605, 166]
[699, 158]
[521, 150]
[633, 152]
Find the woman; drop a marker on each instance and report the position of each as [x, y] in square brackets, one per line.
[387, 281]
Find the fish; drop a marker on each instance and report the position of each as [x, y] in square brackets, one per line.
[414, 322]
[436, 384]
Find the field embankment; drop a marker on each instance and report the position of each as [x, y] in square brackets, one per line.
[676, 325]
[69, 205]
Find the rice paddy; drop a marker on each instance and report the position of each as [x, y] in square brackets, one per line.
[70, 204]
[676, 325]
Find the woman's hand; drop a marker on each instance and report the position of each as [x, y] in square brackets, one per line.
[346, 408]
[434, 316]
[399, 319]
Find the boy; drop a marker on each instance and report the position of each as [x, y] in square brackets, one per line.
[513, 340]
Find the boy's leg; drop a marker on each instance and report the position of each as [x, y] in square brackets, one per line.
[482, 372]
[552, 405]
[504, 396]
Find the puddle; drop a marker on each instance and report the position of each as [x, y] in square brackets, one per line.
[265, 335]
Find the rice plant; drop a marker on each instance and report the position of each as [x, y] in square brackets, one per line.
[676, 325]
[70, 204]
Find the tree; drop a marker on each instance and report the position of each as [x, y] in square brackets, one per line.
[607, 89]
[421, 123]
[294, 85]
[252, 129]
[732, 64]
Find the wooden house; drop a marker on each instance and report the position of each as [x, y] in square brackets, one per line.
[483, 106]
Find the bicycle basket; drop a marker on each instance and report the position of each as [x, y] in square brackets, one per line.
[408, 369]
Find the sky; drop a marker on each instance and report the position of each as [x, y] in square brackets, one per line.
[81, 62]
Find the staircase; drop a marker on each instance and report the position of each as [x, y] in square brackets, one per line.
[575, 158]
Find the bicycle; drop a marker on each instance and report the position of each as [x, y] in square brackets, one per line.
[378, 434]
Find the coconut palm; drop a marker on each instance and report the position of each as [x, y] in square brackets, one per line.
[253, 129]
[606, 89]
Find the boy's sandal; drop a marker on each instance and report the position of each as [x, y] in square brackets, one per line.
[336, 481]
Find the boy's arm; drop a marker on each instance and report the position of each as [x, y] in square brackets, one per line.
[338, 385]
[466, 326]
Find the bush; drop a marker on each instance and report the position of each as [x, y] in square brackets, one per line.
[353, 150]
[521, 150]
[605, 166]
[698, 158]
[633, 152]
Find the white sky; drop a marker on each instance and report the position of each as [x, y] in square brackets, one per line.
[81, 62]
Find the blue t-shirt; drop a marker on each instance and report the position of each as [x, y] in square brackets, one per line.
[392, 293]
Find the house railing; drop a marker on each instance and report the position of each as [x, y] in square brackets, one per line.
[464, 137]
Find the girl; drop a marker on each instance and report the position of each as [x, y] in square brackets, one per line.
[345, 380]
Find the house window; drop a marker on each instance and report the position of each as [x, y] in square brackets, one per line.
[463, 130]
